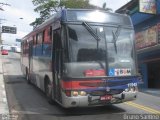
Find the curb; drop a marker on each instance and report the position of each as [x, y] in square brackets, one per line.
[3, 99]
[151, 92]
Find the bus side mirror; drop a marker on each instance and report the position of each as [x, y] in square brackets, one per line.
[73, 34]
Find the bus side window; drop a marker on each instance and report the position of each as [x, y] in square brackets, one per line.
[34, 45]
[39, 44]
[47, 42]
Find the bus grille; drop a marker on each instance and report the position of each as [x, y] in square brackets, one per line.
[103, 92]
[98, 93]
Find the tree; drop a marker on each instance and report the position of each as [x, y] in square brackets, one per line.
[76, 4]
[37, 22]
[47, 7]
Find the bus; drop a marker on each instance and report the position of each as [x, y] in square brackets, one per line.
[82, 57]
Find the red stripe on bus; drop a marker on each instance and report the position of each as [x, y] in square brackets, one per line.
[79, 84]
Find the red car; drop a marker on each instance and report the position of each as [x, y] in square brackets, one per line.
[4, 52]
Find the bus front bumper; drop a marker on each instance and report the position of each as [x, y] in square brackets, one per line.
[84, 101]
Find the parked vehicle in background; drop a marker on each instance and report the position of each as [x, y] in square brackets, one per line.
[4, 52]
[81, 60]
[5, 49]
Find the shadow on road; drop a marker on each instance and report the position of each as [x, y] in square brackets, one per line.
[28, 99]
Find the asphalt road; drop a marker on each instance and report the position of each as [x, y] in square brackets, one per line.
[26, 102]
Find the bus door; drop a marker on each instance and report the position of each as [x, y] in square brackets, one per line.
[57, 58]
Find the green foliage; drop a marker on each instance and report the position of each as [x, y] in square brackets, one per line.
[76, 4]
[44, 8]
[48, 7]
[37, 22]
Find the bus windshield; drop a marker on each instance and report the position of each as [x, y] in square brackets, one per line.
[114, 47]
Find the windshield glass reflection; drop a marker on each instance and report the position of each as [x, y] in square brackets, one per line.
[118, 47]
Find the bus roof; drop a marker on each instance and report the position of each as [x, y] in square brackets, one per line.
[87, 15]
[95, 16]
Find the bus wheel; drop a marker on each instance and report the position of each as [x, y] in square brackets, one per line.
[27, 77]
[48, 91]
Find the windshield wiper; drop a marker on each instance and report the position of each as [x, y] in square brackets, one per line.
[114, 41]
[94, 34]
[91, 31]
[115, 37]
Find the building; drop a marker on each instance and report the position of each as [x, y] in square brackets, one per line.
[145, 15]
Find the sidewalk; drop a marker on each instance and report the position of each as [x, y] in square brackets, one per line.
[155, 92]
[3, 99]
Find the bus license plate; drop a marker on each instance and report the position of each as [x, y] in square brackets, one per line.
[107, 97]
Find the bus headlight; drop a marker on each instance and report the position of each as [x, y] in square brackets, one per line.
[83, 93]
[74, 93]
[80, 93]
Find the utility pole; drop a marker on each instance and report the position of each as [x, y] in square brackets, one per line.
[1, 31]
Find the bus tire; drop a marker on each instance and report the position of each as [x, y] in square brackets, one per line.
[48, 92]
[27, 77]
